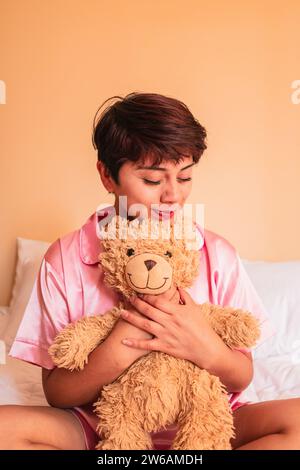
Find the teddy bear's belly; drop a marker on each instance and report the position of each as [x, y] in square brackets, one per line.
[157, 382]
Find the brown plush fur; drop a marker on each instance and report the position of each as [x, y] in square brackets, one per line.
[157, 389]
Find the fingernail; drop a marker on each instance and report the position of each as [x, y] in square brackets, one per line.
[127, 341]
[124, 313]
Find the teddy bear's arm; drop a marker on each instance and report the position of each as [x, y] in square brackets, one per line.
[236, 327]
[76, 341]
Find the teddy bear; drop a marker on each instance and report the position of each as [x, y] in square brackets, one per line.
[158, 389]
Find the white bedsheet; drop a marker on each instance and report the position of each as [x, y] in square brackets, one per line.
[274, 378]
[20, 383]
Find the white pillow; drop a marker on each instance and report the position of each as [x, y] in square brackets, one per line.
[3, 322]
[29, 258]
[278, 285]
[3, 319]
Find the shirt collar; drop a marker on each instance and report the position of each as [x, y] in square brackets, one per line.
[89, 243]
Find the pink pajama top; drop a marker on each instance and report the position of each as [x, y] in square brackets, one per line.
[70, 285]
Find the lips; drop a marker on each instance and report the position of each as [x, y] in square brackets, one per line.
[164, 214]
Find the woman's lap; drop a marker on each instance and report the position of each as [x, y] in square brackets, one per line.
[256, 420]
[91, 438]
[40, 424]
[160, 442]
[68, 429]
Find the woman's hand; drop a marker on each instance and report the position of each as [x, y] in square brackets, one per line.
[179, 329]
[132, 329]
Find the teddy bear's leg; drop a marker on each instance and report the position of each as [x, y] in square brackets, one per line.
[205, 421]
[120, 421]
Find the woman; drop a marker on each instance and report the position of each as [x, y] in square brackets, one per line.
[148, 145]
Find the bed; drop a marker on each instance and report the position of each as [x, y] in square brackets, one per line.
[276, 362]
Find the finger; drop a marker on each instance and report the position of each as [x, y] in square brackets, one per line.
[141, 322]
[185, 297]
[145, 344]
[176, 293]
[156, 303]
[146, 309]
[148, 345]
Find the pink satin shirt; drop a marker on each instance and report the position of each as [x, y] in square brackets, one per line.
[70, 285]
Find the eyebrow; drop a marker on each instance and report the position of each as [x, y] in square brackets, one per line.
[158, 168]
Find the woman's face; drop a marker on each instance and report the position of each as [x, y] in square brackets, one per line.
[167, 185]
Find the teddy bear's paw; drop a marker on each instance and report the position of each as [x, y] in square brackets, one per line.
[236, 327]
[244, 332]
[73, 344]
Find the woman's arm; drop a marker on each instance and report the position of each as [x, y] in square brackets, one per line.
[64, 388]
[233, 367]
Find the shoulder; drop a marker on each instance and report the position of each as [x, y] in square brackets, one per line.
[65, 247]
[78, 246]
[218, 249]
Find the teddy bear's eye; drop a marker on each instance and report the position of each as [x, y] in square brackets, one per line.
[168, 253]
[130, 252]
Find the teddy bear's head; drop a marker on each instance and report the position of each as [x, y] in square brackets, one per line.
[148, 256]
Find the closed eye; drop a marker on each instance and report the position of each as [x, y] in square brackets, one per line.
[181, 180]
[184, 179]
[150, 182]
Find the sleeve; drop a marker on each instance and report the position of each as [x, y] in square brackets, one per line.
[237, 291]
[45, 315]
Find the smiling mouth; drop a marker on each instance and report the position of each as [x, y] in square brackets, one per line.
[164, 213]
[147, 287]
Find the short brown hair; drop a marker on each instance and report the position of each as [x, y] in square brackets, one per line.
[146, 124]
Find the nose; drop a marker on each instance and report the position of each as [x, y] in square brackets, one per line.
[171, 193]
[150, 264]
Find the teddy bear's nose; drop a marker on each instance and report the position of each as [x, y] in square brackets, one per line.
[150, 264]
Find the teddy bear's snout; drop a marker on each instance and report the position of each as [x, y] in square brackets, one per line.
[150, 263]
[149, 273]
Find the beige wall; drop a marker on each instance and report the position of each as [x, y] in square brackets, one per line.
[231, 62]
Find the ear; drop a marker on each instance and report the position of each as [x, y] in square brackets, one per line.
[105, 177]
